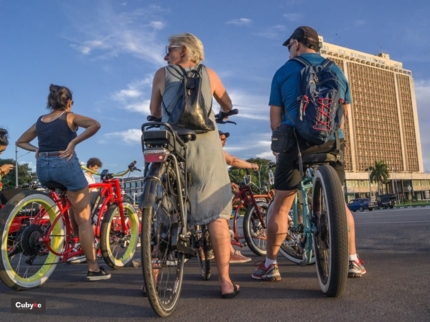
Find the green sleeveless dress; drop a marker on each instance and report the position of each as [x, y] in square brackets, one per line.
[210, 193]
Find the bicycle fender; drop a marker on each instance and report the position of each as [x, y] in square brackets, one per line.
[148, 197]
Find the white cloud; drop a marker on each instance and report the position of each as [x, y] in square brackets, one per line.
[358, 23]
[240, 22]
[158, 25]
[130, 136]
[422, 91]
[136, 97]
[105, 33]
[293, 17]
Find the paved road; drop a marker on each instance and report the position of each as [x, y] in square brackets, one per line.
[394, 244]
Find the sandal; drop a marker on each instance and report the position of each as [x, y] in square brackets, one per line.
[231, 295]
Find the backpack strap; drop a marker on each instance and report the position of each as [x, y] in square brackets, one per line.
[327, 63]
[302, 61]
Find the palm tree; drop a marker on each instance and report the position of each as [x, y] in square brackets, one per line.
[379, 173]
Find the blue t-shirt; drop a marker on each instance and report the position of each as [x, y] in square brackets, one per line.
[285, 86]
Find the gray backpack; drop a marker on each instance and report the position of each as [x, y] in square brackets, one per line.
[189, 111]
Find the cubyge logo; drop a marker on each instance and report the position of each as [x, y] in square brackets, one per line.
[28, 305]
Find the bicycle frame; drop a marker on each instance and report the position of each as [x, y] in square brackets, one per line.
[243, 199]
[63, 205]
[309, 228]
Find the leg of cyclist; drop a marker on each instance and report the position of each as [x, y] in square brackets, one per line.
[80, 202]
[220, 240]
[277, 229]
[356, 268]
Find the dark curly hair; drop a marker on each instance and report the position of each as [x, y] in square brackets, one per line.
[94, 161]
[58, 97]
[3, 137]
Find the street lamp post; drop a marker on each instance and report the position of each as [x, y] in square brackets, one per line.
[16, 166]
[369, 170]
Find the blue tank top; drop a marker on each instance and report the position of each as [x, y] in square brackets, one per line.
[55, 135]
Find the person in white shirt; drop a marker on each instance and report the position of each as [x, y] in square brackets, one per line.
[93, 164]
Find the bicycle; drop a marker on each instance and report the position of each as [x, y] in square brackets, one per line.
[36, 232]
[322, 227]
[166, 235]
[254, 220]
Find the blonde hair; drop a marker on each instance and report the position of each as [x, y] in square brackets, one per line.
[195, 50]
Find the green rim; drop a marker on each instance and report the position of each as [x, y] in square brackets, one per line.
[39, 277]
[129, 213]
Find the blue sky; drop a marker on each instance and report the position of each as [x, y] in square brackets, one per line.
[107, 52]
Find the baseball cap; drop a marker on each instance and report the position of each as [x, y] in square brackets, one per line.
[222, 133]
[306, 35]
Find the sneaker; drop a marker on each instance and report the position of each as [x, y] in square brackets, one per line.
[237, 258]
[139, 244]
[136, 262]
[356, 268]
[206, 253]
[79, 258]
[264, 273]
[98, 276]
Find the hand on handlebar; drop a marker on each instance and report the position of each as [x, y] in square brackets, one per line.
[254, 166]
[222, 117]
[152, 118]
[132, 167]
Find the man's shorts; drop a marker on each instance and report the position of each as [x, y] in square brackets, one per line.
[287, 175]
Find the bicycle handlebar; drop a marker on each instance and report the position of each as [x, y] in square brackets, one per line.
[219, 118]
[130, 168]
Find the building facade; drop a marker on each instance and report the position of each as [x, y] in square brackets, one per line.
[132, 186]
[382, 124]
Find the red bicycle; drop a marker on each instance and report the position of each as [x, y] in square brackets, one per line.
[254, 221]
[36, 232]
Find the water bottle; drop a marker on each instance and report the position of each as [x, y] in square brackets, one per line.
[271, 178]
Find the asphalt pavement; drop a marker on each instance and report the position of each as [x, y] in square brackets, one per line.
[394, 244]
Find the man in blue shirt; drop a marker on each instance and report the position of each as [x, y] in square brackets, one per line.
[303, 42]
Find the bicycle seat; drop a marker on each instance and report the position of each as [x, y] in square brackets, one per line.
[318, 158]
[186, 135]
[52, 185]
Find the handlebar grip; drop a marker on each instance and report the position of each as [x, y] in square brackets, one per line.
[219, 118]
[132, 167]
[152, 118]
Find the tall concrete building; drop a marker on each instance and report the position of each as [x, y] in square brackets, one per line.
[382, 123]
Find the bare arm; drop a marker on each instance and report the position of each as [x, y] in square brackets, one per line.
[219, 91]
[239, 163]
[24, 140]
[345, 111]
[157, 90]
[275, 116]
[91, 127]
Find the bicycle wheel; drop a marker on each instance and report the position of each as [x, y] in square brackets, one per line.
[162, 265]
[118, 246]
[331, 238]
[25, 261]
[204, 263]
[293, 246]
[255, 234]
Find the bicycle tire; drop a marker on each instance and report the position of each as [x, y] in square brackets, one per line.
[162, 266]
[290, 248]
[24, 262]
[331, 237]
[204, 264]
[118, 247]
[255, 235]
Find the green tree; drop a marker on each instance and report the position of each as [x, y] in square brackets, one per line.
[379, 173]
[25, 175]
[263, 164]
